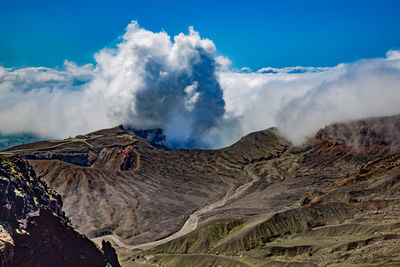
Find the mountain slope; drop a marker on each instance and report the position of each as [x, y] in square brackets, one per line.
[259, 201]
[123, 185]
[352, 220]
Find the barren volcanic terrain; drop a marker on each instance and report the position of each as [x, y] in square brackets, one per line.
[262, 201]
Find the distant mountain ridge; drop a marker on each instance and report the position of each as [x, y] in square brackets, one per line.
[10, 140]
[155, 137]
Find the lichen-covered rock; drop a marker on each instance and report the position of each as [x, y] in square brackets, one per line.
[21, 192]
[34, 230]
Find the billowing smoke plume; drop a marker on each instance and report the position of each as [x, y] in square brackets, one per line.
[181, 86]
[148, 81]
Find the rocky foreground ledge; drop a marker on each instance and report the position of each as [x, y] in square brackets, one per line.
[34, 230]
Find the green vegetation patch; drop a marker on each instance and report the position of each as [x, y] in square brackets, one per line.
[231, 237]
[198, 260]
[200, 240]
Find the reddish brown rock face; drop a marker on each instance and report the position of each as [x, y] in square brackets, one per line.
[130, 158]
[6, 249]
[33, 229]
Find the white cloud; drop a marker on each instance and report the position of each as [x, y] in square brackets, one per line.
[393, 54]
[144, 83]
[300, 104]
[149, 81]
[191, 96]
[223, 62]
[245, 70]
[297, 69]
[41, 100]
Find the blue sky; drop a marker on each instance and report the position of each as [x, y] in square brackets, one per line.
[255, 34]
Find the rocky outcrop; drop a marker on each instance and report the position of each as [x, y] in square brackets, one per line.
[155, 137]
[48, 240]
[110, 254]
[33, 229]
[22, 193]
[6, 248]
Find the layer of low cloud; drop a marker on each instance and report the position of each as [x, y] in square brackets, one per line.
[301, 103]
[183, 87]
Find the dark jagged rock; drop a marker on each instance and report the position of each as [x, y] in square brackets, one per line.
[22, 193]
[34, 230]
[155, 137]
[49, 241]
[110, 254]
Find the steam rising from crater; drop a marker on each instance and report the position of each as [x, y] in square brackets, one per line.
[181, 86]
[151, 82]
[147, 81]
